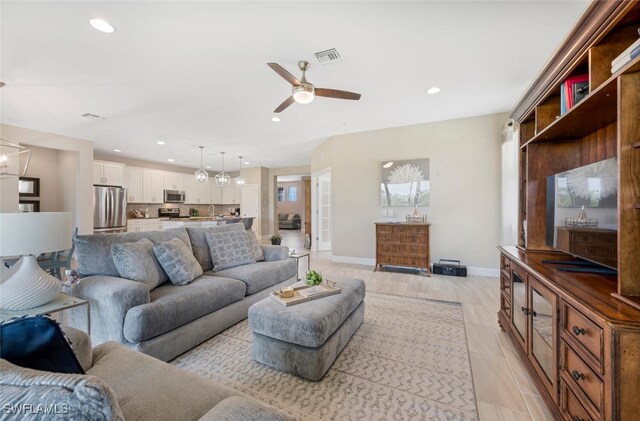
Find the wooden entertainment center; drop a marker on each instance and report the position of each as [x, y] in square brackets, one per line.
[579, 333]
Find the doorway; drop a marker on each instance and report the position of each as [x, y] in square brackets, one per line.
[321, 211]
[293, 209]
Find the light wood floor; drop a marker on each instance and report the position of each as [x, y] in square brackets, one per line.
[504, 390]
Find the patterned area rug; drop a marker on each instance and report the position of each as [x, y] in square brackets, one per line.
[408, 361]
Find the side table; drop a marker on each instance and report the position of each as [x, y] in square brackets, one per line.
[299, 256]
[59, 304]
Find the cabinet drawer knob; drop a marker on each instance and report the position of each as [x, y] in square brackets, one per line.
[525, 310]
[577, 418]
[578, 331]
[577, 376]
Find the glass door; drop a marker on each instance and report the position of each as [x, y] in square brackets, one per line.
[519, 309]
[543, 350]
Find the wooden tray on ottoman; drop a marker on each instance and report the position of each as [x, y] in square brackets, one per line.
[329, 287]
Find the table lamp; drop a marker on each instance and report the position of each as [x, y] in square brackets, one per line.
[28, 234]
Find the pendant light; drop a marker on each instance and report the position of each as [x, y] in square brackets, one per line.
[240, 181]
[201, 175]
[222, 178]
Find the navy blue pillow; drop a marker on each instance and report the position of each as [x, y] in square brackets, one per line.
[37, 342]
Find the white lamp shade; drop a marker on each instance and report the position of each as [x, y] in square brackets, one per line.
[34, 233]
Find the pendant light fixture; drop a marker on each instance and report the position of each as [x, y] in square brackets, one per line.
[222, 178]
[201, 175]
[240, 181]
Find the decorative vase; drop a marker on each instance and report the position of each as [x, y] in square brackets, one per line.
[276, 242]
[28, 287]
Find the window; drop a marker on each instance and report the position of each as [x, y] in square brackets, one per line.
[280, 194]
[292, 194]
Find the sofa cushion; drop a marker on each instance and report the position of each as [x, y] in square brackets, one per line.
[74, 396]
[177, 261]
[93, 252]
[136, 261]
[261, 275]
[200, 245]
[150, 389]
[258, 254]
[172, 306]
[229, 249]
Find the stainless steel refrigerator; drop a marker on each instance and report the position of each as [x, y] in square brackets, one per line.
[109, 209]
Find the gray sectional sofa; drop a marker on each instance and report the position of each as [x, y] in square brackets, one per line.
[169, 319]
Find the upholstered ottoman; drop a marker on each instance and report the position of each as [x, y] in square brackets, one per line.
[306, 339]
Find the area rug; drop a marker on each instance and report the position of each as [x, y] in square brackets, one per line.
[408, 361]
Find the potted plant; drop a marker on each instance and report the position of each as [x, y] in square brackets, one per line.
[276, 239]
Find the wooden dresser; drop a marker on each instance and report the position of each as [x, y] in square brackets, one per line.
[581, 345]
[403, 244]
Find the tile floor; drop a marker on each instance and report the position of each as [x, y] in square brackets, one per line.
[504, 390]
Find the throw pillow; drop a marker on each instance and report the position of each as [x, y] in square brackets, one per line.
[199, 242]
[229, 249]
[136, 261]
[290, 217]
[256, 250]
[73, 396]
[177, 260]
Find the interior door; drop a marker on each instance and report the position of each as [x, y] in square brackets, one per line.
[251, 205]
[323, 236]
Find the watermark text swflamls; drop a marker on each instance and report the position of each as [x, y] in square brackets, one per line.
[30, 409]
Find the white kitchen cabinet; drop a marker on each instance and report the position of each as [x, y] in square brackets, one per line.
[231, 194]
[204, 192]
[216, 193]
[133, 183]
[173, 181]
[142, 225]
[190, 190]
[108, 173]
[152, 186]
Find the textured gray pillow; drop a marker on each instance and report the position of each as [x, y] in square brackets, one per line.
[256, 250]
[73, 396]
[199, 242]
[136, 261]
[177, 260]
[229, 249]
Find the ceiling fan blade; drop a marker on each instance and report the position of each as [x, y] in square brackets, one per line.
[285, 104]
[335, 93]
[284, 73]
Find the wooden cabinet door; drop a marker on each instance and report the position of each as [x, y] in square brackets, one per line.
[216, 194]
[520, 305]
[543, 335]
[203, 193]
[152, 186]
[191, 191]
[97, 173]
[173, 181]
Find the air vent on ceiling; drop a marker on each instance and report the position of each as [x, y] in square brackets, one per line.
[93, 116]
[328, 56]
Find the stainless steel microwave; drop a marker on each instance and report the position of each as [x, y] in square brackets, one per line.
[174, 196]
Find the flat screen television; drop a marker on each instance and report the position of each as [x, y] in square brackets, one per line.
[582, 214]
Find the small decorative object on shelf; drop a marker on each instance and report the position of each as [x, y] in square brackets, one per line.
[581, 223]
[276, 239]
[313, 278]
[582, 216]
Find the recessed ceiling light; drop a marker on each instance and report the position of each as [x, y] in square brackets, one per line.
[208, 166]
[388, 164]
[170, 159]
[160, 142]
[433, 90]
[275, 119]
[247, 162]
[117, 150]
[102, 26]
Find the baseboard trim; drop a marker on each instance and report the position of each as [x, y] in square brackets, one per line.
[471, 270]
[353, 260]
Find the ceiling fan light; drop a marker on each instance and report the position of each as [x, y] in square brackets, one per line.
[303, 93]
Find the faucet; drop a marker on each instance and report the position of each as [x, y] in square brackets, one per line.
[212, 211]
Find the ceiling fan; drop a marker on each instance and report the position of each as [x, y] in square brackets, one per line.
[303, 91]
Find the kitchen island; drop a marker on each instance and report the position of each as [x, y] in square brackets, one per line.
[204, 222]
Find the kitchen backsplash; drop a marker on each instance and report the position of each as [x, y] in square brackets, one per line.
[184, 209]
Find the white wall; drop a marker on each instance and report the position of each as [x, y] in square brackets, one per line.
[465, 209]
